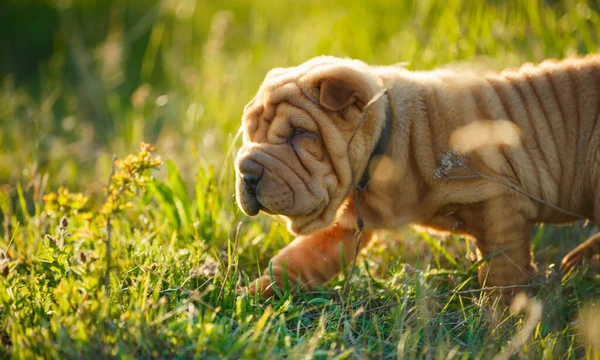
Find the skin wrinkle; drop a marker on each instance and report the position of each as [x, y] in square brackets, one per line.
[509, 152]
[571, 155]
[583, 84]
[315, 149]
[414, 142]
[563, 186]
[597, 117]
[306, 182]
[545, 190]
[284, 142]
[483, 104]
[528, 83]
[557, 100]
[432, 138]
[482, 109]
[299, 158]
[577, 121]
[310, 126]
[305, 178]
[396, 133]
[504, 115]
[502, 95]
[291, 122]
[268, 167]
[545, 114]
[427, 153]
[551, 107]
[586, 102]
[519, 180]
[305, 156]
[442, 126]
[423, 186]
[529, 118]
[356, 142]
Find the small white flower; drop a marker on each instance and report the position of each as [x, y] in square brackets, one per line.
[450, 160]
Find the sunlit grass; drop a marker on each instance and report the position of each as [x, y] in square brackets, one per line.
[177, 74]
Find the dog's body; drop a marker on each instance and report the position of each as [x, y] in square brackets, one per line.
[483, 155]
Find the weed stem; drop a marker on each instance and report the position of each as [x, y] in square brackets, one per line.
[109, 231]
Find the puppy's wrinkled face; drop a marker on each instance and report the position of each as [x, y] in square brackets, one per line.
[295, 160]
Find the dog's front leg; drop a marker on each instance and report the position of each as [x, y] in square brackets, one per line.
[310, 260]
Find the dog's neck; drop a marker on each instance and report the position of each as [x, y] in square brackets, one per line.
[380, 147]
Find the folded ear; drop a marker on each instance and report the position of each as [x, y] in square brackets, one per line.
[337, 87]
[336, 94]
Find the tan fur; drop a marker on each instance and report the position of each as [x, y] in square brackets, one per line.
[534, 129]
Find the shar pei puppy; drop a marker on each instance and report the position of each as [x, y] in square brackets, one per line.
[335, 144]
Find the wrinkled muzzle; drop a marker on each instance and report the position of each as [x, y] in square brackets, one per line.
[268, 183]
[248, 176]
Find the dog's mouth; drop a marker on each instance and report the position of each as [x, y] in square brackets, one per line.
[298, 225]
[267, 211]
[251, 205]
[250, 208]
[254, 208]
[254, 202]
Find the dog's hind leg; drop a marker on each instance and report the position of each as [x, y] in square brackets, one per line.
[588, 249]
[584, 251]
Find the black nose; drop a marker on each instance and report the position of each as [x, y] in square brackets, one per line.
[250, 182]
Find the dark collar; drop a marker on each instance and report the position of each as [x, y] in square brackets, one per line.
[380, 147]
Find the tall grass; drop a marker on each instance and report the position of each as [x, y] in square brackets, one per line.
[177, 74]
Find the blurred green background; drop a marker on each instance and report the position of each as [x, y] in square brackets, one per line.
[81, 80]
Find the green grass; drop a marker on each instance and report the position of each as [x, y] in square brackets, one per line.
[108, 75]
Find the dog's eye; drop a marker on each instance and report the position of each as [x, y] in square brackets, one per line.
[299, 134]
[303, 132]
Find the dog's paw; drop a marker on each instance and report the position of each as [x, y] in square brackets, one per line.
[571, 260]
[262, 286]
[275, 284]
[589, 250]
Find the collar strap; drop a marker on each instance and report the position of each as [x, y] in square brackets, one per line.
[380, 147]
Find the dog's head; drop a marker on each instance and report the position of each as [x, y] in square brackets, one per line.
[297, 159]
